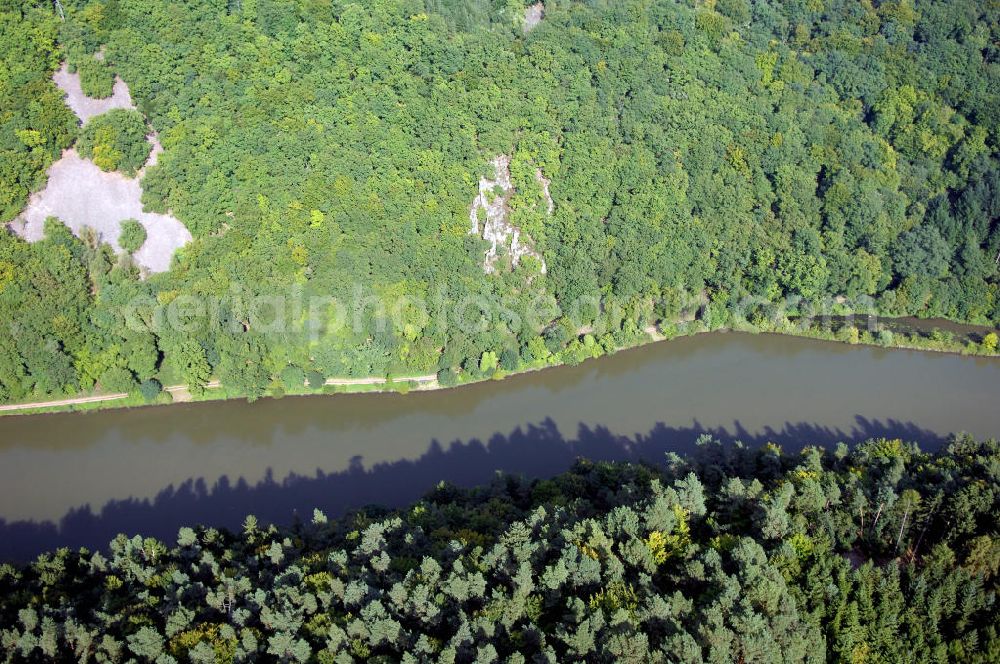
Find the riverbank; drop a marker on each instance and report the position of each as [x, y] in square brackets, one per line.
[931, 335]
[212, 391]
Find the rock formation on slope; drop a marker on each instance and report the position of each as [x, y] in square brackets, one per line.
[493, 223]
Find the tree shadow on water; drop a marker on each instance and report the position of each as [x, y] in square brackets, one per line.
[533, 451]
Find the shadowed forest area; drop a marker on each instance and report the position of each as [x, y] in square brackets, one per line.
[727, 553]
[536, 451]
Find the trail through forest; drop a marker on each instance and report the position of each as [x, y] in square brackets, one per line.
[182, 393]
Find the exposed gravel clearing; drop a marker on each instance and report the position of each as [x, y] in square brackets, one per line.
[81, 194]
[87, 107]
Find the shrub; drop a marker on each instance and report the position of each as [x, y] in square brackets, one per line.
[488, 362]
[150, 389]
[292, 377]
[447, 377]
[316, 379]
[117, 379]
[131, 236]
[509, 359]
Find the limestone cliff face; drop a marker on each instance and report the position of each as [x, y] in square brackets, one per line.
[544, 183]
[490, 217]
[533, 15]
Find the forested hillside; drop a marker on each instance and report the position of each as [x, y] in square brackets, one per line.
[812, 148]
[879, 554]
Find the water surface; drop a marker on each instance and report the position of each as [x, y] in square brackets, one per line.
[152, 469]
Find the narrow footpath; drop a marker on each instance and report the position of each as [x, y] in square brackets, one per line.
[181, 393]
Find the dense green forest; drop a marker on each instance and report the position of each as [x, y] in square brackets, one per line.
[721, 149]
[883, 553]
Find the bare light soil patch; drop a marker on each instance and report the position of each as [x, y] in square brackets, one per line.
[81, 194]
[87, 107]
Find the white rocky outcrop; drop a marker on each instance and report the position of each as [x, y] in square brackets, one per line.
[533, 15]
[544, 182]
[493, 198]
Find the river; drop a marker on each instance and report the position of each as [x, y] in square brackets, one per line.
[78, 478]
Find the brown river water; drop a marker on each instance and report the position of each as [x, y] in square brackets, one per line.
[79, 478]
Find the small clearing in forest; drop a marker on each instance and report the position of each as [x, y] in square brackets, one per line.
[82, 195]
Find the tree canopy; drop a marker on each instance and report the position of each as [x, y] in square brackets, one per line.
[768, 151]
[35, 124]
[132, 235]
[116, 141]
